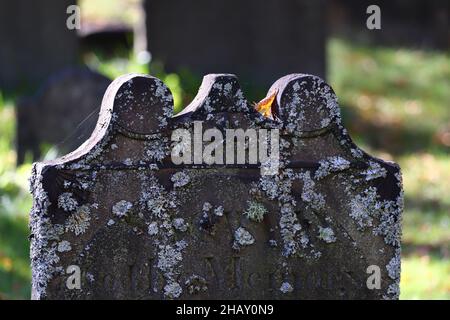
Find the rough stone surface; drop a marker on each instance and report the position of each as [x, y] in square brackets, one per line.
[73, 98]
[140, 227]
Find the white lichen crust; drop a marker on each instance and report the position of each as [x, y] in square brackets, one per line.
[286, 287]
[67, 202]
[64, 246]
[45, 237]
[180, 179]
[78, 222]
[122, 208]
[326, 234]
[162, 205]
[242, 237]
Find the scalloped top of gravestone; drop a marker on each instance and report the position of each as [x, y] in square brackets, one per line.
[62, 113]
[118, 216]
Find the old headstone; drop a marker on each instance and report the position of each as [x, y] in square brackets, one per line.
[62, 113]
[35, 41]
[117, 218]
[259, 40]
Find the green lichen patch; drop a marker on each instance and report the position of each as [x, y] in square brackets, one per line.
[255, 211]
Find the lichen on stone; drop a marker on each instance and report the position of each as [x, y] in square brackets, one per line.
[45, 237]
[168, 257]
[78, 222]
[180, 224]
[162, 206]
[394, 267]
[90, 277]
[330, 165]
[122, 208]
[155, 198]
[309, 195]
[196, 284]
[242, 237]
[67, 202]
[366, 207]
[374, 171]
[255, 211]
[218, 211]
[356, 152]
[157, 149]
[289, 229]
[152, 229]
[173, 290]
[363, 208]
[326, 234]
[207, 206]
[64, 246]
[389, 226]
[241, 104]
[180, 179]
[286, 287]
[162, 93]
[128, 162]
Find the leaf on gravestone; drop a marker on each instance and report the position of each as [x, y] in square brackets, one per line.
[265, 106]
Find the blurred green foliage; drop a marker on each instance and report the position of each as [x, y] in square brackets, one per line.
[15, 203]
[183, 85]
[395, 103]
[118, 11]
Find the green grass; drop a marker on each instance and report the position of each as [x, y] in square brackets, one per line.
[15, 274]
[15, 202]
[399, 97]
[425, 277]
[395, 104]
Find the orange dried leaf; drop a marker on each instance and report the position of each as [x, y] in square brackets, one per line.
[265, 105]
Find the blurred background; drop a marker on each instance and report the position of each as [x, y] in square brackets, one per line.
[393, 85]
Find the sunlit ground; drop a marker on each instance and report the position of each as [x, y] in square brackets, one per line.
[395, 104]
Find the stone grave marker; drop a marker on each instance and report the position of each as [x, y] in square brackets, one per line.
[118, 218]
[36, 42]
[72, 97]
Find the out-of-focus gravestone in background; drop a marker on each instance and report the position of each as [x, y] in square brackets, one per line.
[258, 40]
[412, 23]
[62, 113]
[35, 41]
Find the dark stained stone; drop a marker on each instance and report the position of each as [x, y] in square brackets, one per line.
[141, 227]
[72, 97]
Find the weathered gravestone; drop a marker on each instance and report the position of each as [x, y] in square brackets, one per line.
[36, 41]
[140, 227]
[63, 112]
